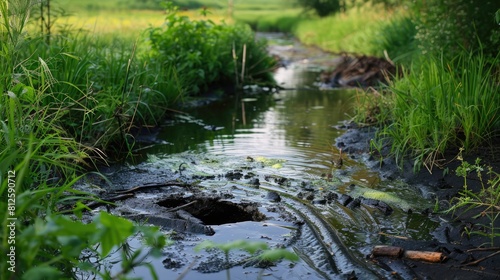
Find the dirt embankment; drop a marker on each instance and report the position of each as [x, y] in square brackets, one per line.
[359, 71]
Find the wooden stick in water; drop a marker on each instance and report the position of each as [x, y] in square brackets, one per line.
[398, 252]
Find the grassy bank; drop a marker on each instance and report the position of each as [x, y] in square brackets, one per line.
[126, 17]
[444, 97]
[365, 30]
[73, 98]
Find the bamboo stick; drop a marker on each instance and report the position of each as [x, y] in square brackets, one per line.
[243, 63]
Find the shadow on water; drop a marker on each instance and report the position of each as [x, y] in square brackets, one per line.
[296, 126]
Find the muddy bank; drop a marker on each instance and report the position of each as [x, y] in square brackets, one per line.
[359, 71]
[465, 256]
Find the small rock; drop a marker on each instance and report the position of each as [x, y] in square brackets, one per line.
[249, 175]
[309, 196]
[331, 196]
[209, 231]
[170, 263]
[354, 203]
[273, 196]
[254, 182]
[344, 199]
[306, 195]
[234, 175]
[319, 201]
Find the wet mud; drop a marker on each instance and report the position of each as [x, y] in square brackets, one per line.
[465, 256]
[195, 197]
[209, 197]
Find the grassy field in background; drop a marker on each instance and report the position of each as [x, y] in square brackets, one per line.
[130, 18]
[354, 31]
[91, 5]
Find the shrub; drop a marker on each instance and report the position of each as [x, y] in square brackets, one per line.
[321, 7]
[449, 26]
[484, 202]
[206, 53]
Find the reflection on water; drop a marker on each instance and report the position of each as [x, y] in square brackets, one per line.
[297, 124]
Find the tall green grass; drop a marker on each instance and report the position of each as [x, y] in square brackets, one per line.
[396, 37]
[43, 229]
[443, 104]
[105, 89]
[273, 20]
[107, 86]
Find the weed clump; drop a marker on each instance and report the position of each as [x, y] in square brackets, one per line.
[208, 54]
[483, 203]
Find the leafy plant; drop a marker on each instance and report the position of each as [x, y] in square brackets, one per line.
[41, 160]
[486, 201]
[205, 52]
[43, 240]
[41, 166]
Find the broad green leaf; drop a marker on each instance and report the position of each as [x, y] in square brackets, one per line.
[72, 246]
[78, 209]
[112, 231]
[63, 226]
[41, 273]
[278, 254]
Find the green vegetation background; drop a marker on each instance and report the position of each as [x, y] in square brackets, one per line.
[72, 95]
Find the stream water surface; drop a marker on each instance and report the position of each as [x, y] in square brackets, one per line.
[290, 134]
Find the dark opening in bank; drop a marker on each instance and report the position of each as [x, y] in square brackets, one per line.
[213, 211]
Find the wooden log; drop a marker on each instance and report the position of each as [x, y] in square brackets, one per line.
[398, 252]
[388, 251]
[426, 256]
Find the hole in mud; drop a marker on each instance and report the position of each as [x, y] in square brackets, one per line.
[212, 211]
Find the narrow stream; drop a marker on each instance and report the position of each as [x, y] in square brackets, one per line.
[298, 124]
[295, 127]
